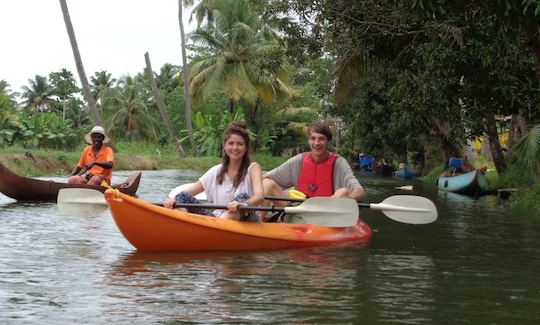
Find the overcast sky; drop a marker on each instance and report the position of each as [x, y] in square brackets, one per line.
[112, 35]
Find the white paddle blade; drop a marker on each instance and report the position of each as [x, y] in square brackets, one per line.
[80, 201]
[175, 191]
[325, 211]
[405, 187]
[411, 209]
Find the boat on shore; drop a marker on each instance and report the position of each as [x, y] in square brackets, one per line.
[150, 227]
[473, 182]
[23, 188]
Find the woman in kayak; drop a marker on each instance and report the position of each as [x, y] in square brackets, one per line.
[236, 181]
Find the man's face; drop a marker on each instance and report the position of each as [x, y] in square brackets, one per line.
[318, 143]
[97, 139]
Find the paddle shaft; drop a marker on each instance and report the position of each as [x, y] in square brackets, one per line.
[402, 208]
[360, 205]
[224, 207]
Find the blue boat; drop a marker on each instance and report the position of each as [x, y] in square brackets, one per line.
[473, 182]
[405, 173]
[365, 162]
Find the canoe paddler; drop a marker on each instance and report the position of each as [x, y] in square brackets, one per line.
[318, 172]
[96, 162]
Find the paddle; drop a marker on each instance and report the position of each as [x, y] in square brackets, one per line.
[181, 188]
[80, 201]
[402, 208]
[324, 211]
[410, 209]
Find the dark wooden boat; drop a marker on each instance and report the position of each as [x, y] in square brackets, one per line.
[383, 170]
[30, 189]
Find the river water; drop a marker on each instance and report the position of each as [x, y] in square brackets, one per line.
[477, 264]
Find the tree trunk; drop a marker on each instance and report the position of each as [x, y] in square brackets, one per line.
[80, 68]
[185, 73]
[494, 144]
[532, 38]
[161, 106]
[518, 129]
[429, 156]
[439, 131]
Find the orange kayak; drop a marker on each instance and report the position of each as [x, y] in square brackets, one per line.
[151, 227]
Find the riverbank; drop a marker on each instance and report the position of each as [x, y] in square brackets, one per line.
[39, 162]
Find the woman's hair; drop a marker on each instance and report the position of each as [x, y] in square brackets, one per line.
[238, 128]
[319, 127]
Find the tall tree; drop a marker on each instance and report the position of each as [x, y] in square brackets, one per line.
[126, 109]
[161, 106]
[100, 81]
[64, 87]
[38, 94]
[80, 67]
[246, 59]
[185, 74]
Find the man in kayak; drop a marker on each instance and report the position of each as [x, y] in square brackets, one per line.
[96, 162]
[315, 173]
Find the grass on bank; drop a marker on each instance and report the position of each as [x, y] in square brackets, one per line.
[130, 156]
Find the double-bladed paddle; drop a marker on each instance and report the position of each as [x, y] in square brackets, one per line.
[410, 209]
[324, 211]
[402, 208]
[80, 201]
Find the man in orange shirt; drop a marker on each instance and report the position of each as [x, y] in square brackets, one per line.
[96, 161]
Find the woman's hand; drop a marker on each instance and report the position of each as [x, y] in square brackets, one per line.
[233, 206]
[169, 203]
[89, 165]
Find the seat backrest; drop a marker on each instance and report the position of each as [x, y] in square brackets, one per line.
[455, 163]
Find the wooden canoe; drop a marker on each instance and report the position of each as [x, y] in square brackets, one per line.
[473, 182]
[30, 189]
[151, 227]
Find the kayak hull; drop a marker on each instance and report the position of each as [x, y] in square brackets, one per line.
[150, 227]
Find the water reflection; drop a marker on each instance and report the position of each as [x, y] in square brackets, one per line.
[239, 286]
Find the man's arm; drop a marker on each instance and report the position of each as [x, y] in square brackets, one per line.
[347, 185]
[287, 173]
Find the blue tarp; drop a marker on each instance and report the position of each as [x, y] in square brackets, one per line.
[366, 162]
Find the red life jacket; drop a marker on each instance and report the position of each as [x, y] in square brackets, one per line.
[317, 179]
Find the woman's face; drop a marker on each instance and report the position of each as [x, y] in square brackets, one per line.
[235, 147]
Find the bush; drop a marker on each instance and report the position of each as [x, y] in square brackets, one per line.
[527, 201]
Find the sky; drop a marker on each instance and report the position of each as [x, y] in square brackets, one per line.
[112, 35]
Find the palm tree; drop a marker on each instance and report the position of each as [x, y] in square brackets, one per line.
[38, 95]
[526, 152]
[100, 81]
[78, 62]
[246, 59]
[5, 89]
[126, 108]
[185, 74]
[64, 87]
[161, 106]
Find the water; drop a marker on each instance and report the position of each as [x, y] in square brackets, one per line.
[478, 264]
